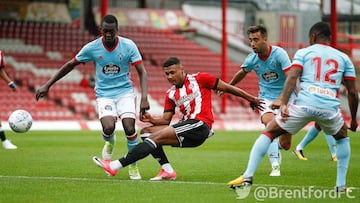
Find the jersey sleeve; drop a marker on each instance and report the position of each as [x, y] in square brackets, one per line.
[135, 53]
[247, 65]
[349, 73]
[207, 80]
[84, 54]
[298, 60]
[284, 59]
[169, 105]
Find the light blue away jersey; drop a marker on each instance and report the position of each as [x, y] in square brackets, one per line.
[323, 70]
[112, 66]
[270, 71]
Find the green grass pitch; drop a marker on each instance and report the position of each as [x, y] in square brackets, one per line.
[56, 166]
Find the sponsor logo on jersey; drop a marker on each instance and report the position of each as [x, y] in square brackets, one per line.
[321, 91]
[186, 98]
[111, 69]
[270, 75]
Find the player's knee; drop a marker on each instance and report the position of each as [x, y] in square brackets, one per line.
[317, 127]
[285, 141]
[129, 130]
[285, 146]
[339, 136]
[108, 130]
[342, 133]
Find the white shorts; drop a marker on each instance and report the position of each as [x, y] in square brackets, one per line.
[122, 107]
[329, 121]
[267, 108]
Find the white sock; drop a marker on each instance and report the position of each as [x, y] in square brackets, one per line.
[115, 165]
[167, 167]
[298, 148]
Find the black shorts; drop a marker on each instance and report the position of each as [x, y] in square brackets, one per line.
[192, 133]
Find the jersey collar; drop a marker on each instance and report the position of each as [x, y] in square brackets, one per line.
[115, 45]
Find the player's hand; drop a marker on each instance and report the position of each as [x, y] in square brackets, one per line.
[144, 106]
[41, 92]
[145, 117]
[275, 105]
[284, 112]
[353, 125]
[257, 104]
[13, 86]
[219, 93]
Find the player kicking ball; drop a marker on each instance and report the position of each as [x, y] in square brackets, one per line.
[191, 94]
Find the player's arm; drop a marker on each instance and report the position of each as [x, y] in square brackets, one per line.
[238, 76]
[289, 87]
[164, 120]
[7, 79]
[353, 100]
[144, 103]
[64, 70]
[225, 87]
[277, 102]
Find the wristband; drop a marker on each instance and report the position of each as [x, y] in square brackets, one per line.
[12, 85]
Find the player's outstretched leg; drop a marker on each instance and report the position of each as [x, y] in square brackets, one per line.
[140, 151]
[166, 172]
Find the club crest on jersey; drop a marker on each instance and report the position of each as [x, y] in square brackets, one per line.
[270, 75]
[111, 69]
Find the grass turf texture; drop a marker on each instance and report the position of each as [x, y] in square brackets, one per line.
[56, 166]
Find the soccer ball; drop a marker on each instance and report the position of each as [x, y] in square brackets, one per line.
[20, 121]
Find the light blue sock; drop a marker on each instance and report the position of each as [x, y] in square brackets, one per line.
[131, 143]
[258, 151]
[311, 134]
[273, 152]
[110, 138]
[343, 154]
[331, 143]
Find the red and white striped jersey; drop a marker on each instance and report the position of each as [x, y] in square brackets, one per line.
[194, 98]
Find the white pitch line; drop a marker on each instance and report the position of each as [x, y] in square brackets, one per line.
[106, 180]
[148, 181]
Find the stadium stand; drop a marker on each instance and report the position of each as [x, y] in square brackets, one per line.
[34, 51]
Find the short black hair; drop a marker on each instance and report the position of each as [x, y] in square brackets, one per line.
[321, 29]
[110, 19]
[171, 61]
[257, 28]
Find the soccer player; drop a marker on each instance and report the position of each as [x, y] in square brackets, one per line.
[112, 56]
[321, 69]
[270, 64]
[191, 94]
[5, 142]
[311, 134]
